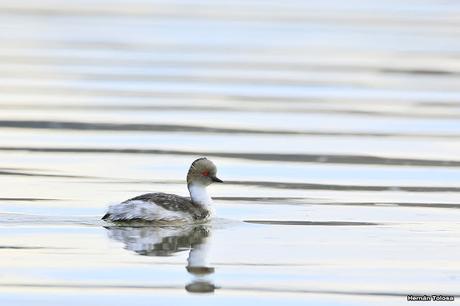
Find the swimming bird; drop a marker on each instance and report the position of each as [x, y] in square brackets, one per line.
[170, 208]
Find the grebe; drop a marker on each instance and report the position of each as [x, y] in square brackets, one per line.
[171, 208]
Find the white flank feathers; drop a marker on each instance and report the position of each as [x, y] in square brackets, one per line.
[147, 211]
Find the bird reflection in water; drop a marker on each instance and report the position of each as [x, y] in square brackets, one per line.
[166, 241]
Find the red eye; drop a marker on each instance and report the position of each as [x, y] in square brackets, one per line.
[206, 173]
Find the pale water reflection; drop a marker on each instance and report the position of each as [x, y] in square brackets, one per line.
[167, 241]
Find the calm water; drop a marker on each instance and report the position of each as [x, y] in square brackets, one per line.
[336, 126]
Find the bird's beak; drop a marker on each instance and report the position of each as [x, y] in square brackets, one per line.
[216, 179]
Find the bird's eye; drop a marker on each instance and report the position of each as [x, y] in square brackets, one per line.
[205, 173]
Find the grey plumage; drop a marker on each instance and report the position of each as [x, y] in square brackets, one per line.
[169, 202]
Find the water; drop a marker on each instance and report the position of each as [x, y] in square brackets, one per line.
[335, 126]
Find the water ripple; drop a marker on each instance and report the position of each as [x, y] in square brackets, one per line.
[305, 158]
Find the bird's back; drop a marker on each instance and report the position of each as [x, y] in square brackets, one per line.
[157, 207]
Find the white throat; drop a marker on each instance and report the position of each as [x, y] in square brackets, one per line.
[199, 195]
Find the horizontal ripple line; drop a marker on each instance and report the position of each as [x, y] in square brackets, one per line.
[14, 247]
[140, 127]
[335, 187]
[257, 199]
[67, 125]
[99, 286]
[397, 204]
[232, 64]
[306, 158]
[22, 173]
[311, 110]
[307, 201]
[26, 199]
[306, 186]
[317, 223]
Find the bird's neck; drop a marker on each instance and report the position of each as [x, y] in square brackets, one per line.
[199, 195]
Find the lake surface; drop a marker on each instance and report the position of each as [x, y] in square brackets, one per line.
[335, 125]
